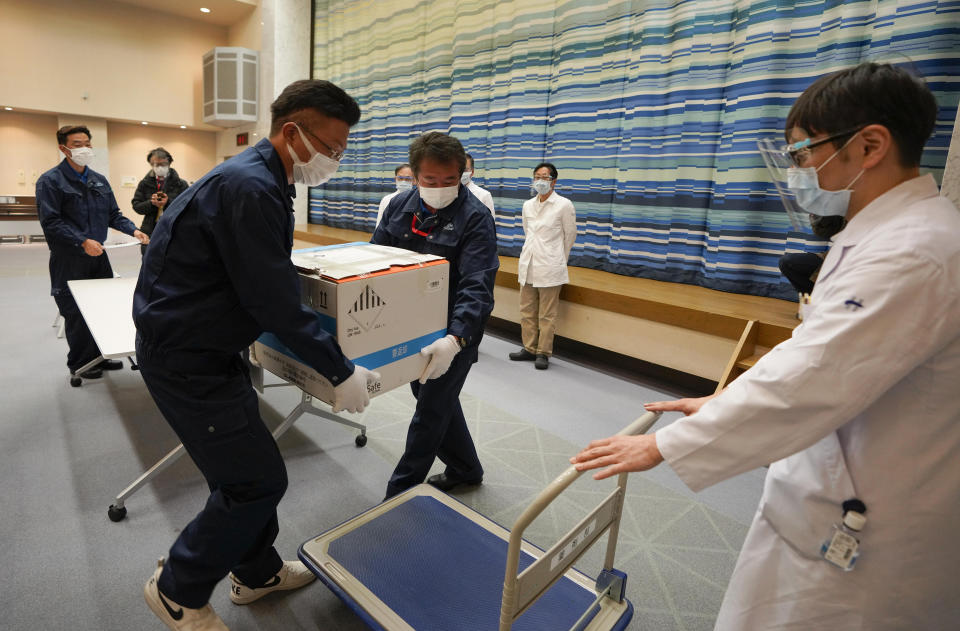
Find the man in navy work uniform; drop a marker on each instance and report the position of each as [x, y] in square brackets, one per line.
[443, 217]
[218, 274]
[76, 206]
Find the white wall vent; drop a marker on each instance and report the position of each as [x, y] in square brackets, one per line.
[230, 86]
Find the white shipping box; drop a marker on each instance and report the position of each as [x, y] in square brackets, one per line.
[382, 304]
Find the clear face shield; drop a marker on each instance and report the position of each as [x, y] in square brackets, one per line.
[808, 206]
[779, 161]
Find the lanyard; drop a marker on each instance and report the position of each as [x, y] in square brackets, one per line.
[429, 223]
[160, 181]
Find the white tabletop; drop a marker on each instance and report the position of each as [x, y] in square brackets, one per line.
[107, 308]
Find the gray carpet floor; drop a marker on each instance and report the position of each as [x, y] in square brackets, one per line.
[66, 452]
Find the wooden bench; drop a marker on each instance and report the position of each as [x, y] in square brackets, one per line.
[703, 332]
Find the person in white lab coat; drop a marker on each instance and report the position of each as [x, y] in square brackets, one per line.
[861, 402]
[550, 226]
[403, 177]
[481, 193]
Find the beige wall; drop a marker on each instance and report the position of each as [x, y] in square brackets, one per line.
[131, 63]
[246, 32]
[28, 143]
[193, 155]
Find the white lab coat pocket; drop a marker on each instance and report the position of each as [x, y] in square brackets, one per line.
[804, 494]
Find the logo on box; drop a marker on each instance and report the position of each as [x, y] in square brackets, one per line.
[367, 308]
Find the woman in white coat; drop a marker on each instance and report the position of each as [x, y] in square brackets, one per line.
[861, 402]
[550, 229]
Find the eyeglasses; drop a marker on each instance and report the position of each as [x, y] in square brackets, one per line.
[545, 178]
[800, 151]
[333, 154]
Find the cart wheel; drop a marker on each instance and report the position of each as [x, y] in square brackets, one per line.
[116, 513]
[75, 381]
[361, 440]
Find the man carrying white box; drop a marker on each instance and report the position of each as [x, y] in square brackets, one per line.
[442, 217]
[217, 275]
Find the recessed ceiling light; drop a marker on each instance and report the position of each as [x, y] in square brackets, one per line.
[8, 108]
[143, 122]
[183, 126]
[204, 10]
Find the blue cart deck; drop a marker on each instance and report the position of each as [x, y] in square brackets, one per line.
[430, 563]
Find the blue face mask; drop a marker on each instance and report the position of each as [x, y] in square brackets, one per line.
[404, 185]
[805, 186]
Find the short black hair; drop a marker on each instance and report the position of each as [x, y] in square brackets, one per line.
[869, 94]
[438, 147]
[69, 130]
[396, 171]
[550, 167]
[313, 94]
[161, 153]
[470, 160]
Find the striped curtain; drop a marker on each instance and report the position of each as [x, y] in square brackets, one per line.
[650, 111]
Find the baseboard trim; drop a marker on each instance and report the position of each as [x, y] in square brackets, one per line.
[625, 367]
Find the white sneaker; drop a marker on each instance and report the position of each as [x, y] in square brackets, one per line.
[178, 617]
[292, 575]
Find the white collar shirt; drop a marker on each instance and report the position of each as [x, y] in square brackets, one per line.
[550, 230]
[383, 206]
[483, 195]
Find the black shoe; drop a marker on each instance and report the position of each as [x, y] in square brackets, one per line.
[542, 362]
[522, 355]
[446, 483]
[93, 373]
[110, 364]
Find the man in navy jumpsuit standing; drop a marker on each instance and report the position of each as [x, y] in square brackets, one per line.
[444, 218]
[76, 206]
[218, 274]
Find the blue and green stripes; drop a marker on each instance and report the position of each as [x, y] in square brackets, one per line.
[650, 110]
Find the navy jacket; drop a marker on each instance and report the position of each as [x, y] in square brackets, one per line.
[218, 272]
[72, 211]
[466, 236]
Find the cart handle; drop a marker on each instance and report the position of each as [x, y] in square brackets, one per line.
[609, 511]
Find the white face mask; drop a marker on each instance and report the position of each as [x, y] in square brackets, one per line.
[315, 171]
[542, 187]
[81, 156]
[161, 171]
[465, 178]
[439, 197]
[805, 185]
[404, 185]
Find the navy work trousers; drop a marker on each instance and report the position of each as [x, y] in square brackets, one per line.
[209, 402]
[76, 266]
[438, 430]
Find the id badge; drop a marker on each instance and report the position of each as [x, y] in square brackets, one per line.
[841, 549]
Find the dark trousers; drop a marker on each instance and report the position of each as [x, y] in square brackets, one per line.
[210, 404]
[76, 266]
[438, 430]
[799, 268]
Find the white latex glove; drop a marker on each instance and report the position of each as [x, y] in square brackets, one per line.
[441, 353]
[352, 395]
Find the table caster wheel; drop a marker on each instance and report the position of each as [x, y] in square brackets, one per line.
[116, 513]
[361, 440]
[75, 381]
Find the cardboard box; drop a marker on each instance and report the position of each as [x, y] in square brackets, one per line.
[382, 304]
